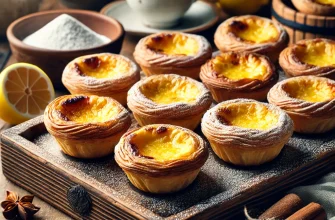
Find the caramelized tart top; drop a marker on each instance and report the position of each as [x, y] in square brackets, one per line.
[248, 115]
[316, 52]
[173, 44]
[103, 66]
[168, 90]
[254, 30]
[163, 143]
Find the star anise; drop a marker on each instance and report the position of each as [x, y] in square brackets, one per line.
[15, 207]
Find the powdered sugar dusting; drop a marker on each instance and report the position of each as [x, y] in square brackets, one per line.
[65, 33]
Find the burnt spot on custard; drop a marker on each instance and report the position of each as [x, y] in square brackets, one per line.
[238, 25]
[161, 129]
[136, 152]
[92, 62]
[222, 118]
[62, 116]
[77, 69]
[75, 100]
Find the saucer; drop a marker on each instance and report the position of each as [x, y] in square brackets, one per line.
[199, 17]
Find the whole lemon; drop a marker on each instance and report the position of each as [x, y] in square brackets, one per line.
[240, 7]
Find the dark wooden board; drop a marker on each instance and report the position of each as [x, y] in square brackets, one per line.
[32, 159]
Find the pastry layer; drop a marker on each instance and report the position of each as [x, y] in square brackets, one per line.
[254, 30]
[248, 115]
[163, 144]
[83, 109]
[104, 66]
[237, 67]
[173, 44]
[310, 90]
[165, 91]
[318, 53]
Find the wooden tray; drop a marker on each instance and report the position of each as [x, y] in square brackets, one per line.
[32, 159]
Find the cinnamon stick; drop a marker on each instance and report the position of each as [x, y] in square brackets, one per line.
[312, 211]
[283, 208]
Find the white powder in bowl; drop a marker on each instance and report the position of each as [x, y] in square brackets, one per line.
[65, 33]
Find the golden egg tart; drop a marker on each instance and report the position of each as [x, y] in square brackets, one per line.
[309, 57]
[251, 33]
[161, 158]
[309, 101]
[232, 75]
[169, 99]
[102, 74]
[316, 7]
[246, 132]
[172, 52]
[86, 126]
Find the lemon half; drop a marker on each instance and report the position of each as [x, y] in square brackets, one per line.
[25, 91]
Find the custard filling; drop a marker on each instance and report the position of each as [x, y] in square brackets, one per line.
[317, 53]
[255, 30]
[170, 91]
[173, 44]
[325, 2]
[310, 90]
[162, 143]
[83, 109]
[247, 115]
[236, 67]
[101, 67]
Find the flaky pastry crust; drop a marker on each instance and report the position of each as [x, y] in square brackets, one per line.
[308, 117]
[75, 80]
[293, 66]
[245, 146]
[314, 7]
[183, 114]
[224, 88]
[226, 40]
[151, 175]
[155, 62]
[89, 139]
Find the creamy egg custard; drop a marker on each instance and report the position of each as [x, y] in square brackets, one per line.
[83, 109]
[318, 53]
[103, 66]
[248, 115]
[235, 67]
[255, 30]
[173, 44]
[325, 2]
[162, 143]
[310, 90]
[164, 91]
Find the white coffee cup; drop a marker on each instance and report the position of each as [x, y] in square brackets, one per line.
[160, 13]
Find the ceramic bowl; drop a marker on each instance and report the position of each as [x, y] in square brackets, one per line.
[53, 62]
[160, 14]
